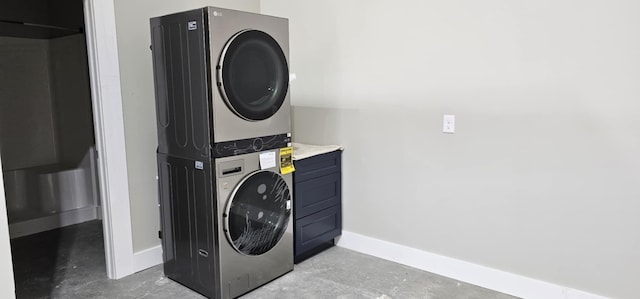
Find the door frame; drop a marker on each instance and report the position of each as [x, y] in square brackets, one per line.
[106, 96]
[108, 118]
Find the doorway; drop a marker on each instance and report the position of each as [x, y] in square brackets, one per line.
[47, 141]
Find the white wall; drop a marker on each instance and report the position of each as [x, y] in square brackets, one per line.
[7, 286]
[541, 177]
[132, 26]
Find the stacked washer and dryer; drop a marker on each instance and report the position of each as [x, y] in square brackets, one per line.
[223, 116]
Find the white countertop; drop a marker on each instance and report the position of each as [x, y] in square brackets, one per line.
[302, 151]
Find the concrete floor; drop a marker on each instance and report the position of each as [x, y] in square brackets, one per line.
[69, 263]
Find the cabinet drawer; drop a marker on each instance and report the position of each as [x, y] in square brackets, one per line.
[316, 166]
[317, 229]
[316, 194]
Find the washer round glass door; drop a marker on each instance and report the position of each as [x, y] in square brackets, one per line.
[257, 213]
[253, 76]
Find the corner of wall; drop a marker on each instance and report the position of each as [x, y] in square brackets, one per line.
[6, 265]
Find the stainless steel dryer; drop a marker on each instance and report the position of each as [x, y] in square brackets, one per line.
[221, 82]
[249, 60]
[255, 222]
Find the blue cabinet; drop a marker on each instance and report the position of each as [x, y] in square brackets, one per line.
[317, 207]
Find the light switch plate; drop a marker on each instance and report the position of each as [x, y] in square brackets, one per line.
[449, 123]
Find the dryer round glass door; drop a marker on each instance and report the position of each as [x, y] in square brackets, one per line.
[253, 76]
[257, 212]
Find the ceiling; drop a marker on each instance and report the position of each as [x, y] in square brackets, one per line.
[42, 19]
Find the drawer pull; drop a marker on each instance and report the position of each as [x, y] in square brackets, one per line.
[231, 170]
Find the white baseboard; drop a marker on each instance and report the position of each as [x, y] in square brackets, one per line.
[147, 258]
[501, 281]
[53, 221]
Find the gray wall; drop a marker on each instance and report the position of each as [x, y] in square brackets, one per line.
[45, 102]
[72, 97]
[541, 177]
[27, 132]
[45, 120]
[138, 102]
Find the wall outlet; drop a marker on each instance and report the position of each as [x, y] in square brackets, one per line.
[449, 124]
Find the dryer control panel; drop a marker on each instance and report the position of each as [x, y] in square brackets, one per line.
[251, 145]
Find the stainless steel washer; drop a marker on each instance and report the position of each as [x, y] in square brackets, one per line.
[255, 222]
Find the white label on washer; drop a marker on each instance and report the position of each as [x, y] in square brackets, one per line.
[267, 160]
[192, 25]
[199, 165]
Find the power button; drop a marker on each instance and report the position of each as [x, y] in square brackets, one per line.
[257, 144]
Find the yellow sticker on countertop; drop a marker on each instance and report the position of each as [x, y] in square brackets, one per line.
[286, 160]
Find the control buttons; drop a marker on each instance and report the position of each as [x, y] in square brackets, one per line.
[257, 144]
